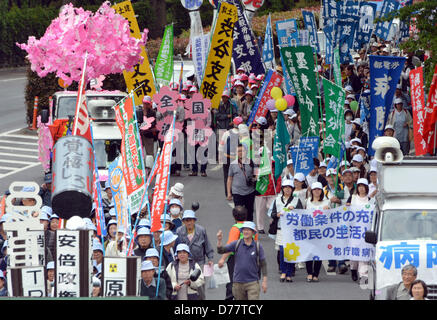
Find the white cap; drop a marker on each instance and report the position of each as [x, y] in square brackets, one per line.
[182, 247]
[289, 161]
[373, 169]
[323, 164]
[389, 126]
[348, 88]
[261, 120]
[299, 177]
[358, 158]
[351, 96]
[147, 265]
[316, 185]
[357, 121]
[273, 110]
[346, 102]
[356, 140]
[398, 100]
[362, 181]
[287, 183]
[331, 171]
[289, 112]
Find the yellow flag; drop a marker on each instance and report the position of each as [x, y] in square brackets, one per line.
[220, 54]
[142, 75]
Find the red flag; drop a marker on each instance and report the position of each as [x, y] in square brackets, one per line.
[161, 184]
[431, 114]
[81, 125]
[418, 104]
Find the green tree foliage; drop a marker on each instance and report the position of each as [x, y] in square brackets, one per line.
[425, 14]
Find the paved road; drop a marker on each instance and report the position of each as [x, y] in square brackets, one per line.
[18, 162]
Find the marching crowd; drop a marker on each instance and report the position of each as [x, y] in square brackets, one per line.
[184, 242]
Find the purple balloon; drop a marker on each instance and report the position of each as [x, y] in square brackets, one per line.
[270, 104]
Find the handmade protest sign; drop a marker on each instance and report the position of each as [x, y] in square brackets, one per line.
[219, 59]
[300, 65]
[142, 75]
[333, 234]
[133, 170]
[334, 106]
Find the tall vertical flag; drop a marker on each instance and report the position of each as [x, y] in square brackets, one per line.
[132, 164]
[265, 169]
[337, 69]
[268, 49]
[310, 25]
[81, 126]
[119, 193]
[334, 105]
[365, 24]
[141, 78]
[431, 114]
[382, 29]
[385, 72]
[345, 31]
[300, 65]
[282, 138]
[162, 178]
[419, 113]
[220, 54]
[164, 61]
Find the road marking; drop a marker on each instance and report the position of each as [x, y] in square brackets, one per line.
[13, 79]
[17, 142]
[19, 170]
[18, 149]
[15, 161]
[216, 168]
[20, 136]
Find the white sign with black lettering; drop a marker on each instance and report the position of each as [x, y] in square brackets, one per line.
[114, 277]
[67, 263]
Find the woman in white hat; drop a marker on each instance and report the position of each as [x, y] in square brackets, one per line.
[284, 203]
[401, 121]
[177, 192]
[360, 197]
[316, 201]
[300, 188]
[373, 179]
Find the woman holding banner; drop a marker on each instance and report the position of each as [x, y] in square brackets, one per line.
[316, 201]
[283, 204]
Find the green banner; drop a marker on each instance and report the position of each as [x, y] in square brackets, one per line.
[164, 61]
[337, 70]
[334, 109]
[263, 175]
[299, 62]
[282, 138]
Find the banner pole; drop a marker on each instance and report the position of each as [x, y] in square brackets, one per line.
[166, 202]
[81, 87]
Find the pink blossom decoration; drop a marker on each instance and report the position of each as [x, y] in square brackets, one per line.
[104, 36]
[197, 107]
[147, 123]
[166, 100]
[164, 124]
[198, 133]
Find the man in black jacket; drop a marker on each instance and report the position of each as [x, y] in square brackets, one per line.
[353, 79]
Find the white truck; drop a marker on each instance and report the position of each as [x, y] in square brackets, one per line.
[106, 135]
[404, 227]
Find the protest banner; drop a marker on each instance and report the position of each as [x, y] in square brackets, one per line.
[142, 77]
[345, 38]
[132, 163]
[300, 65]
[164, 61]
[385, 72]
[365, 24]
[268, 52]
[265, 170]
[250, 7]
[119, 192]
[245, 52]
[418, 107]
[310, 25]
[73, 263]
[259, 109]
[330, 9]
[334, 108]
[219, 58]
[121, 276]
[200, 45]
[336, 65]
[392, 256]
[27, 282]
[382, 29]
[333, 234]
[431, 114]
[162, 179]
[196, 28]
[282, 138]
[302, 159]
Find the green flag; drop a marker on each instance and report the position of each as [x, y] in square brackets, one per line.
[282, 138]
[264, 171]
[337, 71]
[164, 61]
[299, 62]
[334, 106]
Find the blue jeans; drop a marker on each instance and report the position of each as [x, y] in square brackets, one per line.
[286, 267]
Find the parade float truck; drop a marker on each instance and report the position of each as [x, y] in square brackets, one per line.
[106, 134]
[404, 228]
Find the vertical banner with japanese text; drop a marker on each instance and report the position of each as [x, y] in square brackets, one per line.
[133, 170]
[164, 61]
[268, 49]
[333, 234]
[310, 25]
[334, 106]
[418, 106]
[119, 192]
[142, 75]
[220, 54]
[385, 72]
[245, 52]
[300, 65]
[382, 29]
[431, 114]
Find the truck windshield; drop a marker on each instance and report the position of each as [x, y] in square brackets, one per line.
[409, 225]
[106, 152]
[66, 106]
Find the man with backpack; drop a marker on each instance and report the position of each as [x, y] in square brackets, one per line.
[250, 263]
